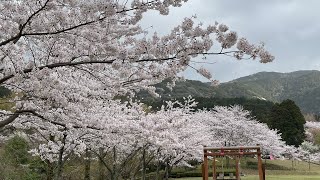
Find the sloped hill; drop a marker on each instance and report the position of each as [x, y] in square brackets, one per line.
[301, 86]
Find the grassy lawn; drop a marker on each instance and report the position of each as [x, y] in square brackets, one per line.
[277, 170]
[271, 177]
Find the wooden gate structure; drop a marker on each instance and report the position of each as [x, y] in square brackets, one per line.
[234, 151]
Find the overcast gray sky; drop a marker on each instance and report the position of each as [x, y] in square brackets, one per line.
[289, 28]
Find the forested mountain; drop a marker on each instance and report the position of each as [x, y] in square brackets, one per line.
[303, 87]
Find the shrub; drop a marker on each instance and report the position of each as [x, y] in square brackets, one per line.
[16, 150]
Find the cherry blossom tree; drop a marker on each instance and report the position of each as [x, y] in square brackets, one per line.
[57, 52]
[312, 125]
[110, 124]
[68, 60]
[186, 131]
[310, 150]
[178, 135]
[236, 127]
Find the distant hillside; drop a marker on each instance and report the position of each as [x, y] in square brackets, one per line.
[301, 86]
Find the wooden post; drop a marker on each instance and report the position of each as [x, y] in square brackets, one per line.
[264, 171]
[237, 168]
[230, 151]
[214, 168]
[260, 164]
[202, 169]
[309, 163]
[205, 164]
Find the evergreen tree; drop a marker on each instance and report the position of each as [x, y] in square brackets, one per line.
[4, 92]
[288, 119]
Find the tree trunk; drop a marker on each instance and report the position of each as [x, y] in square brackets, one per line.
[60, 165]
[167, 170]
[101, 166]
[60, 160]
[50, 165]
[49, 170]
[309, 163]
[87, 165]
[158, 170]
[114, 165]
[143, 177]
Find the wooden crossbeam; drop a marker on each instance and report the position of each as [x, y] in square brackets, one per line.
[236, 151]
[231, 153]
[232, 148]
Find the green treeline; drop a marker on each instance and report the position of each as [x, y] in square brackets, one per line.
[260, 109]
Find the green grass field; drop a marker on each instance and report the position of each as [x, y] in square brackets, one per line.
[271, 177]
[279, 170]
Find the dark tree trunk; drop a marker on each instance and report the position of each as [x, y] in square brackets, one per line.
[49, 171]
[158, 170]
[87, 165]
[60, 160]
[50, 166]
[101, 165]
[143, 177]
[167, 170]
[114, 165]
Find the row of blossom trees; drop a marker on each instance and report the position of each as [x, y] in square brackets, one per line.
[119, 132]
